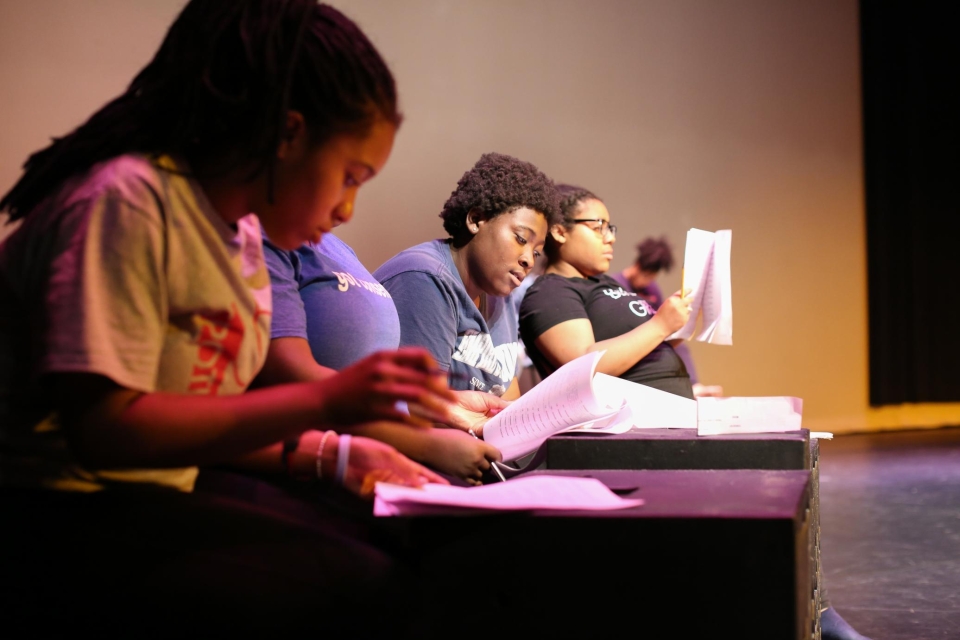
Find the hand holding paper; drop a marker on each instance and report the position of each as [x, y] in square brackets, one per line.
[675, 312]
[706, 276]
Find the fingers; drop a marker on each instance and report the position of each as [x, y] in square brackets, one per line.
[424, 407]
[411, 473]
[429, 408]
[414, 357]
[368, 485]
[494, 404]
[390, 371]
[392, 414]
[684, 299]
[419, 365]
[481, 402]
[425, 415]
[412, 366]
[492, 453]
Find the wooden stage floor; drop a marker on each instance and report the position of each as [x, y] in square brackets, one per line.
[890, 532]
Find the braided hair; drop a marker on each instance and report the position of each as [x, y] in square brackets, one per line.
[571, 198]
[218, 90]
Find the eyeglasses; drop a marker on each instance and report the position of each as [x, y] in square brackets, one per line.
[605, 226]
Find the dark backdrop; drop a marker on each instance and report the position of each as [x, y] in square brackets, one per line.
[910, 56]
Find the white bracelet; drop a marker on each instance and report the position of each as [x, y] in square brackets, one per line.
[343, 454]
[323, 441]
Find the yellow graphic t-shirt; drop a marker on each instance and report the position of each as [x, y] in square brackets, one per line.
[129, 273]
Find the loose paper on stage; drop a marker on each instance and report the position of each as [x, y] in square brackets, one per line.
[706, 277]
[531, 492]
[760, 414]
[563, 401]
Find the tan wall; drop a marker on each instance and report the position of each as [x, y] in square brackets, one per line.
[740, 114]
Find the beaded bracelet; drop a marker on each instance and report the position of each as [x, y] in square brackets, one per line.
[323, 441]
[343, 455]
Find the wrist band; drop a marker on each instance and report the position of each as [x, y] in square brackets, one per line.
[323, 441]
[343, 454]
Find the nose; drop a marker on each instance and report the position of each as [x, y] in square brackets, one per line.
[527, 259]
[344, 212]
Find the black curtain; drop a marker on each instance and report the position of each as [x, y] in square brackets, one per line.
[910, 56]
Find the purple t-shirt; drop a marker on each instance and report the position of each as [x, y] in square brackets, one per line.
[323, 293]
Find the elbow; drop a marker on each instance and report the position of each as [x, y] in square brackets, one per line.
[97, 448]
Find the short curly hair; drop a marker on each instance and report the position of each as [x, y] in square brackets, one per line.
[654, 255]
[498, 184]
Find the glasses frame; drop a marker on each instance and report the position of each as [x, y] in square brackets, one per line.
[611, 228]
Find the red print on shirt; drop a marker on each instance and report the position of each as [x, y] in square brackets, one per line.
[220, 338]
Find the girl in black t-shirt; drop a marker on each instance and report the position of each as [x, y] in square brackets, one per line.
[575, 308]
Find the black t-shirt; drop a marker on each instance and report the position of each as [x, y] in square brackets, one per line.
[612, 311]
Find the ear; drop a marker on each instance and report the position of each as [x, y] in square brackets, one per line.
[559, 233]
[294, 134]
[474, 221]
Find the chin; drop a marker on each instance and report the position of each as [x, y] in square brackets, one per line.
[502, 291]
[282, 242]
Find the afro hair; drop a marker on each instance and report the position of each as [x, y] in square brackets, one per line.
[654, 255]
[498, 184]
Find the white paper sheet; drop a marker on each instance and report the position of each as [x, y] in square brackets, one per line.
[717, 300]
[748, 414]
[706, 268]
[649, 408]
[529, 492]
[562, 401]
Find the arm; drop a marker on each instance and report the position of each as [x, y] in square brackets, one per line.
[448, 450]
[289, 357]
[369, 461]
[573, 338]
[513, 392]
[110, 426]
[290, 360]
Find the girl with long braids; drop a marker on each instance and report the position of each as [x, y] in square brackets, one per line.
[136, 310]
